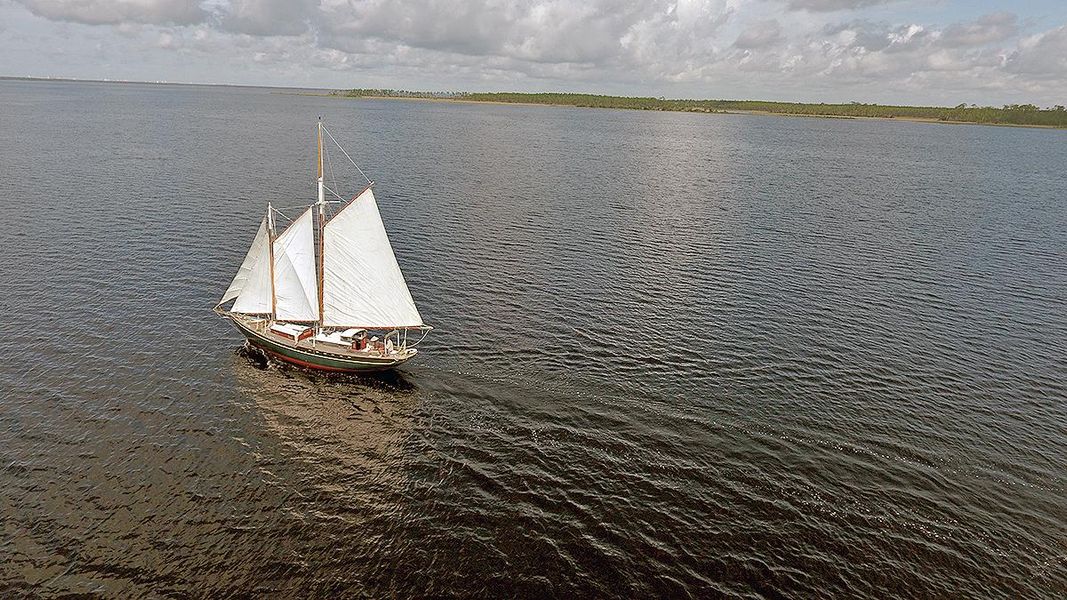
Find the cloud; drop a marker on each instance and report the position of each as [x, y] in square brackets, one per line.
[114, 12]
[462, 27]
[833, 5]
[1043, 56]
[871, 37]
[996, 27]
[596, 31]
[760, 34]
[883, 59]
[267, 17]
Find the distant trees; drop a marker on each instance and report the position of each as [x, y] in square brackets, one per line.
[381, 93]
[1011, 114]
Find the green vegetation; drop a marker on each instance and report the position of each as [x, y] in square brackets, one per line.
[1012, 114]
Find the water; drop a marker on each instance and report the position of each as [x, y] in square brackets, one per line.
[675, 355]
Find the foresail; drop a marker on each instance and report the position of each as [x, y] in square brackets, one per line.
[362, 283]
[251, 285]
[295, 283]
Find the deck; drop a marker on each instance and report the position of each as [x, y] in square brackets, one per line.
[372, 353]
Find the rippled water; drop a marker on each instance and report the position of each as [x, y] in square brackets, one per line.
[675, 355]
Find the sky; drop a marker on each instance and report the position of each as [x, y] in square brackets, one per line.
[944, 52]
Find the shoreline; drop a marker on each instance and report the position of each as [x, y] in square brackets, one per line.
[639, 103]
[753, 112]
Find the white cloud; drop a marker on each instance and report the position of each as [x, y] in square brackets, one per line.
[267, 17]
[1043, 56]
[988, 29]
[760, 34]
[554, 31]
[834, 5]
[113, 12]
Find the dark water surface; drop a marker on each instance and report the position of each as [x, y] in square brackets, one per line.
[675, 355]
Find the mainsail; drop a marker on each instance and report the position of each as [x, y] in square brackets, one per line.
[362, 285]
[251, 285]
[295, 282]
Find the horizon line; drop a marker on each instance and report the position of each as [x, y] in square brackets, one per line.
[456, 92]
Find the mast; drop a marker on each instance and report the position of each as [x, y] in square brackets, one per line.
[270, 246]
[322, 222]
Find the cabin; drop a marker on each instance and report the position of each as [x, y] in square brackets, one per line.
[352, 338]
[292, 331]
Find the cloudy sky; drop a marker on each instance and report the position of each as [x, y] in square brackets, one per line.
[899, 51]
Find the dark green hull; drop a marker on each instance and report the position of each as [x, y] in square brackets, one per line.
[318, 360]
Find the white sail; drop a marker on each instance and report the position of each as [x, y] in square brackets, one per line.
[362, 284]
[295, 284]
[251, 285]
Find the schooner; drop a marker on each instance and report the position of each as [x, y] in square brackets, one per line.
[326, 293]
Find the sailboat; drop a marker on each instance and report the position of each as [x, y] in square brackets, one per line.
[327, 292]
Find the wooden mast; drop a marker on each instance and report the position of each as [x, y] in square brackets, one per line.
[270, 247]
[322, 222]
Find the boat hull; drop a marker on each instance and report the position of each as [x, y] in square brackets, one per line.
[319, 361]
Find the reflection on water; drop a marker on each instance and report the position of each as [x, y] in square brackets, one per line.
[675, 355]
[338, 421]
[347, 433]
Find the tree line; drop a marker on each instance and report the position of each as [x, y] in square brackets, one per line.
[1011, 114]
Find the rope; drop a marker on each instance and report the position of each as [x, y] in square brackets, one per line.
[277, 210]
[338, 196]
[329, 160]
[424, 334]
[333, 177]
[346, 154]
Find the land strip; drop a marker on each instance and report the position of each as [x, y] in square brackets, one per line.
[1025, 115]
